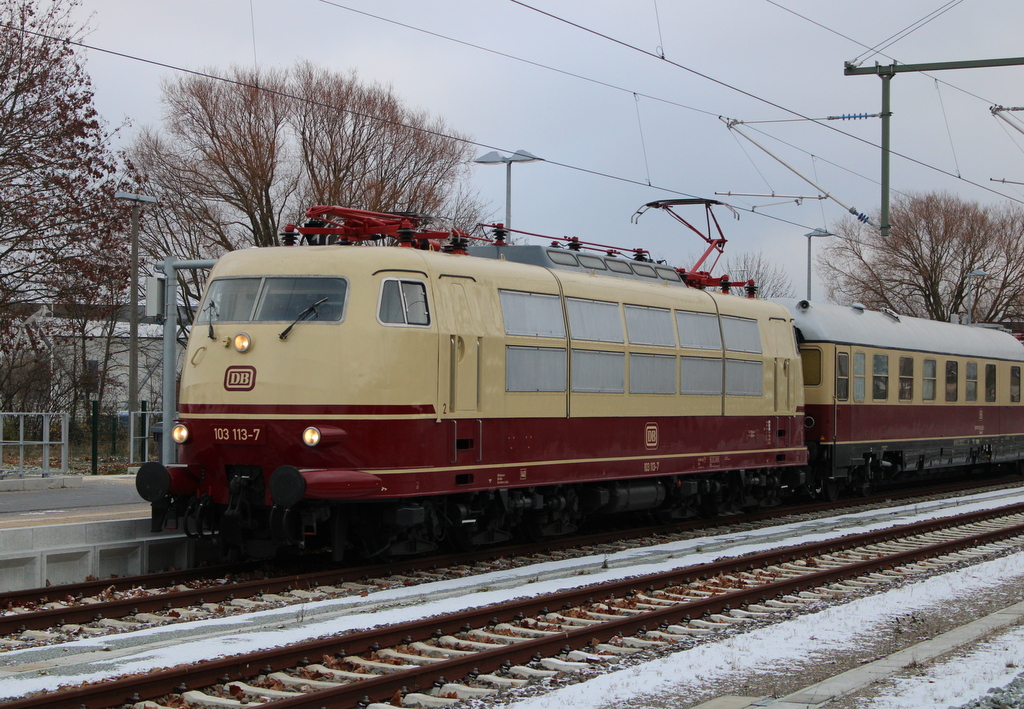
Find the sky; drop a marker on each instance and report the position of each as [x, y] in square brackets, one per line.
[625, 100]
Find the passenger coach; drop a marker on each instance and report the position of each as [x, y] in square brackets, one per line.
[889, 396]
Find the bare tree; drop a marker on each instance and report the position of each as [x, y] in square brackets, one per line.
[239, 157]
[771, 280]
[226, 147]
[922, 267]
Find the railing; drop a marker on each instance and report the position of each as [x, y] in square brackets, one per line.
[140, 424]
[26, 440]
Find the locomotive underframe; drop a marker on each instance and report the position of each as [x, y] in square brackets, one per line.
[408, 526]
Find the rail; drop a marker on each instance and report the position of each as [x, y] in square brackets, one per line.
[26, 443]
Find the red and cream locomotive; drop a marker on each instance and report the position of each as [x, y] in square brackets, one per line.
[390, 401]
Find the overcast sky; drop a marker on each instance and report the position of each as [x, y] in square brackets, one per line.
[583, 85]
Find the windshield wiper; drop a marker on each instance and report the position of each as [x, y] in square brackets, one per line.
[304, 315]
[212, 305]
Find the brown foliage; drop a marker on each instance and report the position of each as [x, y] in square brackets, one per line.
[921, 268]
[242, 156]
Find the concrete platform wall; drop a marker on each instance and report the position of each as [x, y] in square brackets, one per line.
[34, 557]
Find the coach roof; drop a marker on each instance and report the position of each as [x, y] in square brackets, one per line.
[854, 325]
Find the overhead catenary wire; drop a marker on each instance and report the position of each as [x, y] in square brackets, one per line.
[732, 125]
[906, 31]
[755, 97]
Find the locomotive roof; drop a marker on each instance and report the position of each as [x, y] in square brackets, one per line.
[855, 325]
[557, 258]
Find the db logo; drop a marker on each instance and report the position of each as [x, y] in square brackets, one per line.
[651, 436]
[239, 378]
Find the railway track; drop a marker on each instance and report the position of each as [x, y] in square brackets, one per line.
[51, 615]
[441, 660]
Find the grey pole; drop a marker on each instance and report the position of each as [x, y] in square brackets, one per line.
[886, 115]
[886, 73]
[170, 359]
[508, 194]
[137, 201]
[810, 235]
[133, 319]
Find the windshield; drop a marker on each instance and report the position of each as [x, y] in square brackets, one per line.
[272, 299]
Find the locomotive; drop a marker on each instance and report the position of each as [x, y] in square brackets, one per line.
[392, 401]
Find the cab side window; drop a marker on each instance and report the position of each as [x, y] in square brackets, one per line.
[403, 303]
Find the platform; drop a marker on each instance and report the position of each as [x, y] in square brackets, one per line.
[64, 529]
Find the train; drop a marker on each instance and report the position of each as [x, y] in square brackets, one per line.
[446, 393]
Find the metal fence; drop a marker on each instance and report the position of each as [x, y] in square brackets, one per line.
[27, 441]
[140, 428]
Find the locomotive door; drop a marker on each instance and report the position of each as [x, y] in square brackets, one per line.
[460, 344]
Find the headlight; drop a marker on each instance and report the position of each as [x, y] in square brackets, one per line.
[311, 436]
[242, 342]
[179, 433]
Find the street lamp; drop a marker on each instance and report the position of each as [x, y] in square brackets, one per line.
[976, 273]
[811, 235]
[495, 158]
[137, 201]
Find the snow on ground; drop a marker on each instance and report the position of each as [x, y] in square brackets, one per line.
[993, 663]
[183, 643]
[778, 648]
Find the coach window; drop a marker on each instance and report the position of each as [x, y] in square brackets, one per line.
[594, 320]
[699, 330]
[700, 375]
[599, 372]
[741, 334]
[532, 314]
[653, 374]
[880, 378]
[842, 374]
[811, 361]
[929, 372]
[534, 369]
[859, 374]
[971, 389]
[650, 326]
[642, 269]
[744, 377]
[1015, 384]
[990, 383]
[562, 257]
[906, 378]
[666, 274]
[952, 379]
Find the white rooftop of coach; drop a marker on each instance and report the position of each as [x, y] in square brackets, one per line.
[855, 325]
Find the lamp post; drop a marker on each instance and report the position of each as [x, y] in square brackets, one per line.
[137, 201]
[811, 235]
[976, 273]
[495, 158]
